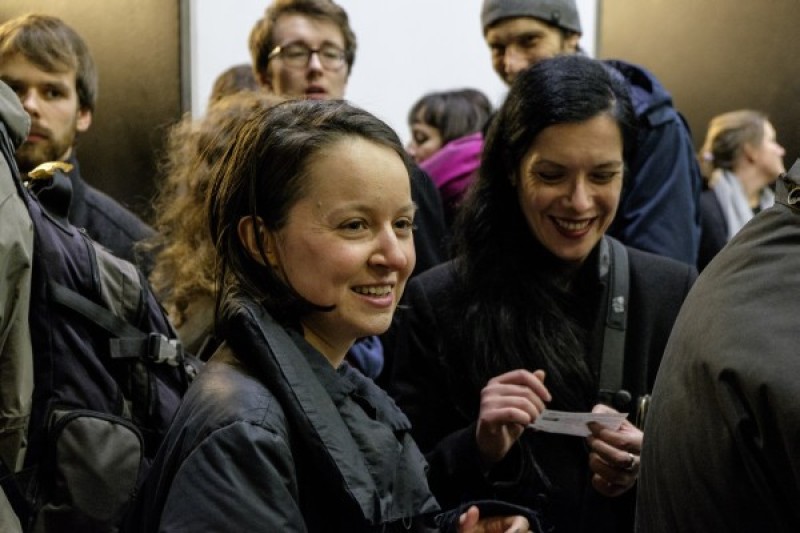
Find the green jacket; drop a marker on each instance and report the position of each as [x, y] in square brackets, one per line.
[16, 249]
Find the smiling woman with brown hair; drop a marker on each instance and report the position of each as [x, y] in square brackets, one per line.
[311, 218]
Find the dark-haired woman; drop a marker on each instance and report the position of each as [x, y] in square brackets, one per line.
[515, 323]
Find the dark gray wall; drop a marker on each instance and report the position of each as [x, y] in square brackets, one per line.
[715, 56]
[135, 44]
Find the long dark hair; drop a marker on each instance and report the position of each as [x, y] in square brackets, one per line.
[517, 315]
[262, 174]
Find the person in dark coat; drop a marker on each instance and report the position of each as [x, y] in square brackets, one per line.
[50, 68]
[514, 324]
[658, 211]
[311, 217]
[722, 451]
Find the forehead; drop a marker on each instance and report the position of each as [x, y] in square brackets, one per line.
[20, 68]
[510, 28]
[598, 138]
[356, 168]
[301, 28]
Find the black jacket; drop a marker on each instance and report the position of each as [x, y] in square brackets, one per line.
[106, 220]
[713, 229]
[272, 438]
[722, 446]
[428, 388]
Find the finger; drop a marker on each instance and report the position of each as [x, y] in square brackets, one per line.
[603, 408]
[609, 489]
[605, 439]
[532, 380]
[501, 391]
[624, 475]
[469, 519]
[614, 456]
[519, 524]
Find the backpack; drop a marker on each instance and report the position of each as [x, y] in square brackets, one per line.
[109, 373]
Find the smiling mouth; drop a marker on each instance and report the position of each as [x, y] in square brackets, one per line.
[572, 225]
[381, 290]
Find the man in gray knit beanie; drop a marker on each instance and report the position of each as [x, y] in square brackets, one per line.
[523, 32]
[659, 207]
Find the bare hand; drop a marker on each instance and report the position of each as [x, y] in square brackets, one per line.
[470, 522]
[614, 456]
[509, 403]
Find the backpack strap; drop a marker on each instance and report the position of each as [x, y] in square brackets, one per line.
[614, 264]
[129, 341]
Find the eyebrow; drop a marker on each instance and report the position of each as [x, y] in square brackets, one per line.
[605, 164]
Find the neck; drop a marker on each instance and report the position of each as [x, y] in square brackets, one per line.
[752, 182]
[331, 351]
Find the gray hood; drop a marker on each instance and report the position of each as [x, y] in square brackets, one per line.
[16, 119]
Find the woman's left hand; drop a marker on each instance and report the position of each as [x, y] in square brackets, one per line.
[471, 522]
[614, 455]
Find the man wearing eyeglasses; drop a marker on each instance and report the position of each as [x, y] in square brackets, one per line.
[303, 49]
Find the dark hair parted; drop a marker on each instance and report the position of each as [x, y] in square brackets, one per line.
[517, 313]
[262, 36]
[264, 173]
[53, 46]
[454, 113]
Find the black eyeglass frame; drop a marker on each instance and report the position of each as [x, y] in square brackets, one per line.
[328, 62]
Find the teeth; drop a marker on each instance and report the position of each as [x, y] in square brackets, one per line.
[374, 291]
[572, 226]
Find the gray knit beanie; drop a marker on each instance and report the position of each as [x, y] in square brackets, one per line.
[561, 13]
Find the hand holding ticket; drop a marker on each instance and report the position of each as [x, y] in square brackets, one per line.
[569, 423]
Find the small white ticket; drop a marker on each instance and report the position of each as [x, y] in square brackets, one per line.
[570, 423]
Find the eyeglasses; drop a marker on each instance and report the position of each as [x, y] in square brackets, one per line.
[298, 55]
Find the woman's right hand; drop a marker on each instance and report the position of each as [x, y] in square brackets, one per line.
[509, 402]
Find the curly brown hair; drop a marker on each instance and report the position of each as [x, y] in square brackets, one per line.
[184, 254]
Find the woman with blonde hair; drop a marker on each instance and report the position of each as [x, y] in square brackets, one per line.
[183, 276]
[740, 158]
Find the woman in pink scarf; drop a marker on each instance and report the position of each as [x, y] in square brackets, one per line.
[446, 140]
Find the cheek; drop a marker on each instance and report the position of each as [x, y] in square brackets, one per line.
[611, 198]
[533, 200]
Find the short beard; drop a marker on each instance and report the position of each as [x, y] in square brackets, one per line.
[30, 156]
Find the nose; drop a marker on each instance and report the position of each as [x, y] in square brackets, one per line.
[391, 251]
[30, 101]
[513, 62]
[411, 149]
[579, 197]
[314, 62]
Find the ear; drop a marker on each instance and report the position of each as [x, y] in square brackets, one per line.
[84, 120]
[255, 237]
[748, 152]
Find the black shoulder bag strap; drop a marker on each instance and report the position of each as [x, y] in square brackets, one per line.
[614, 258]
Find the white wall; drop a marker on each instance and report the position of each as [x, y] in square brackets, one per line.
[405, 49]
